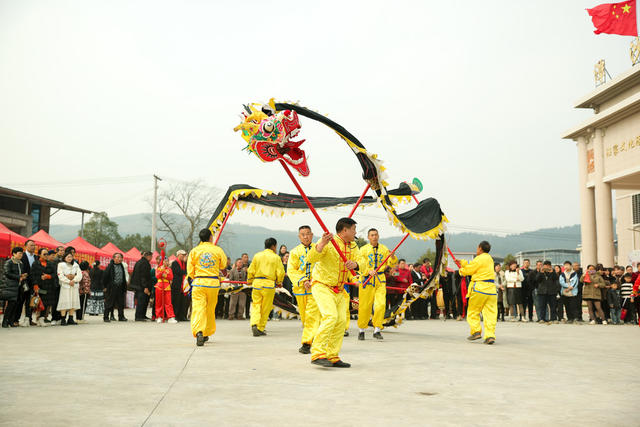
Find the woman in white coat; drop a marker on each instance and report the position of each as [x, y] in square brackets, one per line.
[69, 276]
[513, 278]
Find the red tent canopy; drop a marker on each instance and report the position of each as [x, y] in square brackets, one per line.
[43, 239]
[8, 240]
[133, 253]
[85, 251]
[111, 249]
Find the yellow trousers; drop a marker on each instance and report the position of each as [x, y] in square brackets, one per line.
[483, 299]
[328, 339]
[347, 297]
[261, 306]
[310, 316]
[372, 297]
[203, 310]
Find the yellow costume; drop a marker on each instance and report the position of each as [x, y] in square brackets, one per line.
[329, 276]
[482, 294]
[299, 270]
[266, 270]
[374, 294]
[203, 266]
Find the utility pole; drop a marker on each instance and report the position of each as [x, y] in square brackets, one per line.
[154, 225]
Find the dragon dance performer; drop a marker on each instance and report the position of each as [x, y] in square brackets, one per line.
[299, 271]
[265, 273]
[483, 296]
[330, 273]
[203, 266]
[374, 293]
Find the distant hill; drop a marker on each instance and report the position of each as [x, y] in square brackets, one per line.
[239, 238]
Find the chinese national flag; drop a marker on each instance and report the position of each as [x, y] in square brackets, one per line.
[615, 18]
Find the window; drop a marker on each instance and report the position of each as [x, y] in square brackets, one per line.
[35, 216]
[635, 208]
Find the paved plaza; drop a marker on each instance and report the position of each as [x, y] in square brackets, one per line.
[423, 373]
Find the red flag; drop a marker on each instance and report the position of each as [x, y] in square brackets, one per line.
[615, 18]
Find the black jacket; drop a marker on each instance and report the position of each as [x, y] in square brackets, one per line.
[26, 268]
[47, 286]
[96, 275]
[141, 276]
[108, 276]
[11, 280]
[178, 276]
[613, 298]
[547, 283]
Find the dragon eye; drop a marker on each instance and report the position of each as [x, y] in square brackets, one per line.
[268, 127]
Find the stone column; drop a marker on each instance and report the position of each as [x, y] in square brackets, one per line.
[604, 220]
[587, 207]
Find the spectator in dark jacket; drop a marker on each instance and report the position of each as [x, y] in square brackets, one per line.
[547, 286]
[24, 293]
[614, 302]
[179, 300]
[114, 284]
[142, 285]
[43, 277]
[95, 303]
[14, 278]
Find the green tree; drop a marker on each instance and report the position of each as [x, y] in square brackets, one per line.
[100, 230]
[143, 243]
[429, 255]
[507, 260]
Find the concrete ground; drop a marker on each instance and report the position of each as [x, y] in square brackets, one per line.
[423, 373]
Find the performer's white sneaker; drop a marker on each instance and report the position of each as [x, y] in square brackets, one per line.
[172, 320]
[159, 320]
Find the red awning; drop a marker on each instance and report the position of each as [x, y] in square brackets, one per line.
[85, 251]
[43, 239]
[111, 249]
[8, 240]
[133, 253]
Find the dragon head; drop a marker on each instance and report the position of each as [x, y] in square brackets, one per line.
[268, 135]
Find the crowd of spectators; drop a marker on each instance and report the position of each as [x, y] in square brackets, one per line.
[51, 287]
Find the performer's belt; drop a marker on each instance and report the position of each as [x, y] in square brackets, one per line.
[473, 289]
[301, 295]
[193, 285]
[206, 277]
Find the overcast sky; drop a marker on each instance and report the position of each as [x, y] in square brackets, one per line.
[470, 97]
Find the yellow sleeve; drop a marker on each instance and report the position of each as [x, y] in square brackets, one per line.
[223, 259]
[251, 271]
[293, 268]
[470, 268]
[314, 255]
[191, 265]
[279, 271]
[363, 263]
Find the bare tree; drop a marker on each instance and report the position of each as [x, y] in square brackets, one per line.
[184, 208]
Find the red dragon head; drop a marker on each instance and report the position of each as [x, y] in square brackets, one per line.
[268, 134]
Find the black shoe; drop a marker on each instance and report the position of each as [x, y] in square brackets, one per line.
[63, 322]
[256, 332]
[144, 319]
[112, 318]
[360, 336]
[322, 362]
[199, 339]
[206, 339]
[378, 335]
[71, 321]
[341, 364]
[106, 320]
[122, 319]
[5, 325]
[346, 333]
[475, 336]
[305, 349]
[490, 341]
[47, 321]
